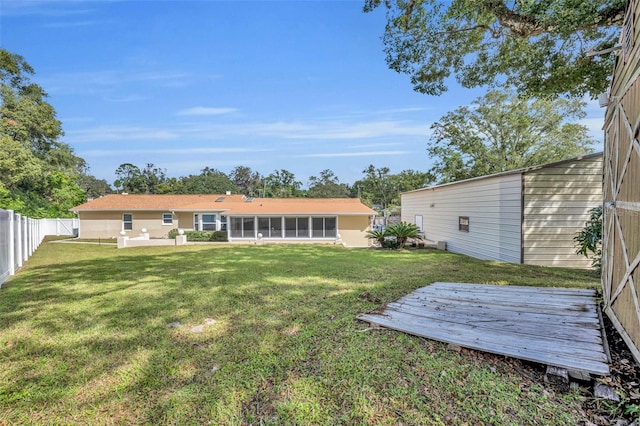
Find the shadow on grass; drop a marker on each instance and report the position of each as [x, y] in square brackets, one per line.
[87, 331]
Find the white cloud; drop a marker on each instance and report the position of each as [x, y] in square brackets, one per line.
[168, 151]
[120, 133]
[294, 130]
[206, 111]
[106, 82]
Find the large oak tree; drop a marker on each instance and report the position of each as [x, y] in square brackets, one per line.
[501, 132]
[538, 46]
[39, 173]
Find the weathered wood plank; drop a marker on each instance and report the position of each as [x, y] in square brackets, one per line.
[515, 303]
[534, 355]
[486, 288]
[558, 327]
[581, 332]
[504, 336]
[507, 306]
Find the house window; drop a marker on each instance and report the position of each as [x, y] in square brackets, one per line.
[463, 223]
[223, 223]
[270, 227]
[204, 222]
[296, 227]
[167, 219]
[248, 227]
[127, 222]
[323, 227]
[242, 227]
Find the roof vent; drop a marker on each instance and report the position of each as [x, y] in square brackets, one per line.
[228, 192]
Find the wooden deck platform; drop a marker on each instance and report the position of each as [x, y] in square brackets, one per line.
[558, 327]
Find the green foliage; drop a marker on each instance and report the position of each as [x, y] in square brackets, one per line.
[589, 239]
[377, 234]
[209, 181]
[39, 174]
[201, 236]
[402, 231]
[382, 189]
[502, 132]
[395, 236]
[132, 179]
[327, 185]
[537, 46]
[247, 181]
[282, 184]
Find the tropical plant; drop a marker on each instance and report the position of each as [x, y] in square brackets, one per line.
[402, 231]
[589, 239]
[378, 235]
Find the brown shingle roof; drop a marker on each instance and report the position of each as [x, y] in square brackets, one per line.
[231, 204]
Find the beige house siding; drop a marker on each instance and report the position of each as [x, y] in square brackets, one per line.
[557, 200]
[353, 230]
[493, 206]
[105, 224]
[109, 224]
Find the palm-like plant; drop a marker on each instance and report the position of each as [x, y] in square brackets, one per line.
[403, 231]
[377, 234]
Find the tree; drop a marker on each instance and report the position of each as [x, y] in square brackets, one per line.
[327, 185]
[502, 132]
[538, 46]
[39, 173]
[94, 187]
[377, 188]
[246, 180]
[129, 178]
[209, 181]
[152, 177]
[408, 180]
[282, 184]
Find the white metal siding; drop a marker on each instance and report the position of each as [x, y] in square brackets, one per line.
[557, 201]
[493, 206]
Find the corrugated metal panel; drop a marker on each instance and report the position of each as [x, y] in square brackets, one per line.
[557, 201]
[493, 206]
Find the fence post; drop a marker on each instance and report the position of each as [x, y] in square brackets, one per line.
[19, 235]
[11, 243]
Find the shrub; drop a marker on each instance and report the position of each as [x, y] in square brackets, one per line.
[219, 236]
[395, 236]
[378, 235]
[589, 239]
[403, 231]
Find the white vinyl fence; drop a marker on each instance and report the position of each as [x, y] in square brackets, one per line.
[20, 236]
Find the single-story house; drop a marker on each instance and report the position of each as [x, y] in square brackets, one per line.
[528, 215]
[243, 218]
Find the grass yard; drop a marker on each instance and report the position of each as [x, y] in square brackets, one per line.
[251, 335]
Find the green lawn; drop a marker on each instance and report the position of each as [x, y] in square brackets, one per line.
[94, 335]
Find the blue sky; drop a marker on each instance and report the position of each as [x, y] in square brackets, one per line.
[295, 85]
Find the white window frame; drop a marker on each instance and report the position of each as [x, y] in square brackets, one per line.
[124, 222]
[198, 223]
[170, 216]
